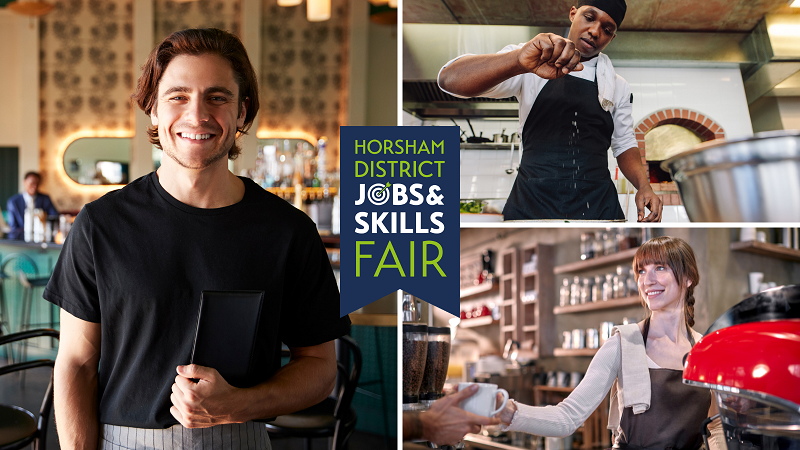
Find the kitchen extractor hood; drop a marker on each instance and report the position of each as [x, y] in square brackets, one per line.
[766, 57]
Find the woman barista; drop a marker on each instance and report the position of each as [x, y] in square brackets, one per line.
[650, 406]
[573, 107]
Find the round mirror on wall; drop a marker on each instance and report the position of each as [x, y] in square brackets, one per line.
[285, 163]
[98, 160]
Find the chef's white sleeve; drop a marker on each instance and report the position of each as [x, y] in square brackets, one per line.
[564, 418]
[623, 137]
[508, 88]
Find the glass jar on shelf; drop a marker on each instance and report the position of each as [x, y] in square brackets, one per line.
[608, 288]
[586, 290]
[575, 291]
[633, 288]
[609, 243]
[597, 289]
[597, 243]
[620, 285]
[563, 297]
[587, 245]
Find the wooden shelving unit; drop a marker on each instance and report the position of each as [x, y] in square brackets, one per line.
[536, 321]
[477, 322]
[509, 294]
[765, 249]
[597, 306]
[483, 288]
[578, 266]
[575, 351]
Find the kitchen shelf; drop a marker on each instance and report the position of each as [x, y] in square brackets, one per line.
[489, 146]
[529, 328]
[596, 306]
[531, 274]
[593, 263]
[482, 288]
[765, 249]
[477, 322]
[574, 351]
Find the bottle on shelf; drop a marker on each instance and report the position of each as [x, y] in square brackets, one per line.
[608, 288]
[575, 291]
[563, 297]
[586, 290]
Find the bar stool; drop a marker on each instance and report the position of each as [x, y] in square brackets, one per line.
[11, 267]
[28, 285]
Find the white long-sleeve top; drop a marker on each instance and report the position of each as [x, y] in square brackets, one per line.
[563, 419]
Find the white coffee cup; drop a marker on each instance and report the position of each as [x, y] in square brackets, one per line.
[755, 278]
[482, 402]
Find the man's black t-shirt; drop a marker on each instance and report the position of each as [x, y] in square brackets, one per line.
[136, 261]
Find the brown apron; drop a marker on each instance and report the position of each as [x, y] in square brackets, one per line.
[675, 416]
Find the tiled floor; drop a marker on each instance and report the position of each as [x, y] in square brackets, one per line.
[29, 396]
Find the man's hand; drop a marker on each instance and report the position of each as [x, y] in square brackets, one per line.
[207, 402]
[549, 56]
[446, 424]
[646, 197]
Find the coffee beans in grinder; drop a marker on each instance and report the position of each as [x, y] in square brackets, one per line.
[415, 351]
[438, 358]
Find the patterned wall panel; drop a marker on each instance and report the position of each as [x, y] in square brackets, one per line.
[173, 16]
[304, 68]
[86, 47]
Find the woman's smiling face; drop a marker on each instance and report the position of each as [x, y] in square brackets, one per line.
[658, 287]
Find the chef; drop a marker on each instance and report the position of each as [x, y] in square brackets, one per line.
[572, 107]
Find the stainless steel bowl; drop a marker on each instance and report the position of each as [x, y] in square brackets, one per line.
[755, 179]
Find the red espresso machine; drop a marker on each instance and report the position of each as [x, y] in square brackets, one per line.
[750, 359]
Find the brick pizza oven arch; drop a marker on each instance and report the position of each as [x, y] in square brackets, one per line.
[702, 125]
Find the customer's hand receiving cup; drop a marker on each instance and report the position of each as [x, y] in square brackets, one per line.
[506, 415]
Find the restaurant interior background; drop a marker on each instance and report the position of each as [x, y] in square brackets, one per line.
[537, 303]
[68, 76]
[698, 71]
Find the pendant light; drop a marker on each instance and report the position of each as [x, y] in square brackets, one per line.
[318, 10]
[30, 7]
[289, 2]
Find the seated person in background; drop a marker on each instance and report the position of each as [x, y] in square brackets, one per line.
[30, 196]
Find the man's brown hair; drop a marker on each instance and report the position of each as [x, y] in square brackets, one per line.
[198, 41]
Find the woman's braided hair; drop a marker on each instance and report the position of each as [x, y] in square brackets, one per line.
[676, 254]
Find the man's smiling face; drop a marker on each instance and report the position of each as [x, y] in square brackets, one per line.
[198, 110]
[591, 30]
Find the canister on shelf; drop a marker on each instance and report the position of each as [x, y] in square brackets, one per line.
[563, 297]
[605, 331]
[578, 338]
[597, 289]
[567, 343]
[586, 291]
[620, 286]
[633, 288]
[592, 338]
[575, 291]
[608, 288]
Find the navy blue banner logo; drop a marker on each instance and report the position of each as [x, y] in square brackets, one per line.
[399, 215]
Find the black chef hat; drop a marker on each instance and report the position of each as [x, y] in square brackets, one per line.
[614, 8]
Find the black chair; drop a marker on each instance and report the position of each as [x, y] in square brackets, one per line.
[18, 426]
[333, 417]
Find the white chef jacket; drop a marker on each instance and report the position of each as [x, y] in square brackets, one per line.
[526, 88]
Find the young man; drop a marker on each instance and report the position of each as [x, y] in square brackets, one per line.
[131, 272]
[18, 203]
[573, 107]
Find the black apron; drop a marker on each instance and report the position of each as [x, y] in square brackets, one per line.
[675, 417]
[564, 170]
